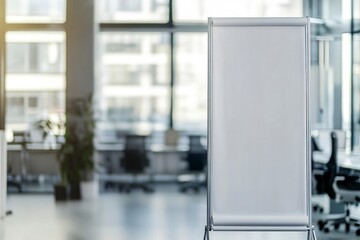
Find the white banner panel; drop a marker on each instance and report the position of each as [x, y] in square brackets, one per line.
[258, 122]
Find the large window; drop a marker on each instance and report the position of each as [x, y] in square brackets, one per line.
[35, 62]
[154, 59]
[134, 89]
[191, 82]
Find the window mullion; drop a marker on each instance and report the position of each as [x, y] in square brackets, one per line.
[171, 19]
[172, 81]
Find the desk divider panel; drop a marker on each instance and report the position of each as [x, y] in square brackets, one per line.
[259, 169]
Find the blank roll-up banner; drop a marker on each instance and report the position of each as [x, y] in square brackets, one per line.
[259, 169]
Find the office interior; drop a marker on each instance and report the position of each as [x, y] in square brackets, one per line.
[131, 76]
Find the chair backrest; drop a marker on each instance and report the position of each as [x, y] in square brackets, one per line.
[135, 159]
[197, 155]
[331, 168]
[195, 142]
[322, 137]
[314, 145]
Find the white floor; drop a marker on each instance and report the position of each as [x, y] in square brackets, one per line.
[164, 215]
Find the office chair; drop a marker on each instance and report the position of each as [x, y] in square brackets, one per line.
[318, 170]
[196, 159]
[344, 189]
[135, 161]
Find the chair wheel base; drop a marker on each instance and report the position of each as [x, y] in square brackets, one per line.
[321, 225]
[347, 228]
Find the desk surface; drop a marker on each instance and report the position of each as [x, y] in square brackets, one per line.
[155, 148]
[345, 160]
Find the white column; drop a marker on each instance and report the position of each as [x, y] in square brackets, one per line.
[80, 48]
[3, 174]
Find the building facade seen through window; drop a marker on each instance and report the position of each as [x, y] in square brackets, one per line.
[35, 11]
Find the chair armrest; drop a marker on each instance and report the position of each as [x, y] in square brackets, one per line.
[346, 179]
[335, 183]
[339, 178]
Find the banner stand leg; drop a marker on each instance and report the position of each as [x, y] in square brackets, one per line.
[206, 234]
[313, 233]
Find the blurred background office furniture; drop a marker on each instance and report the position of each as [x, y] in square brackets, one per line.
[196, 158]
[32, 164]
[134, 162]
[318, 170]
[323, 142]
[13, 182]
[21, 139]
[316, 166]
[344, 189]
[165, 161]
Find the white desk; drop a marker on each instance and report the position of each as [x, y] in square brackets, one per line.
[157, 148]
[41, 159]
[345, 160]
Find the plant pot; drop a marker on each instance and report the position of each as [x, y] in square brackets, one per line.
[89, 190]
[75, 193]
[60, 193]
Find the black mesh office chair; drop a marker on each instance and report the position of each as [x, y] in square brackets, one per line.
[344, 189]
[135, 161]
[318, 170]
[196, 162]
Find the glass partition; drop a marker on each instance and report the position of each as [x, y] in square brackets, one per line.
[356, 90]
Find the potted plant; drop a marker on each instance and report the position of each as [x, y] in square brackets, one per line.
[61, 189]
[76, 154]
[49, 127]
